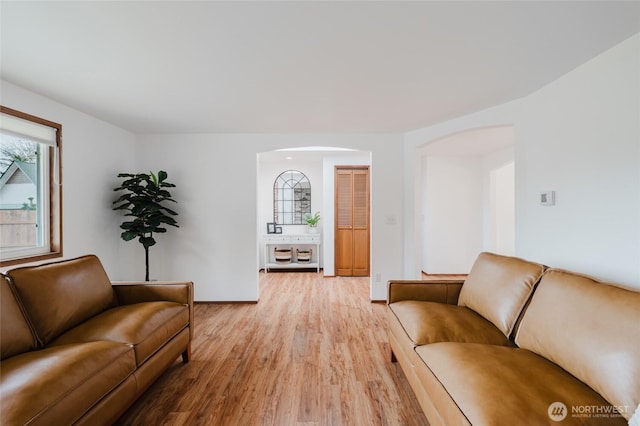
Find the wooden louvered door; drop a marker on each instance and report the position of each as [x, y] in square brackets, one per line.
[352, 221]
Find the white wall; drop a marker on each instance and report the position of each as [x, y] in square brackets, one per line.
[580, 137]
[499, 202]
[502, 210]
[93, 153]
[453, 214]
[217, 245]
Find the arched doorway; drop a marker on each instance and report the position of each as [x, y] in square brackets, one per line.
[318, 164]
[466, 198]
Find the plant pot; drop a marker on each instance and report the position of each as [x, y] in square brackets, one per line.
[312, 229]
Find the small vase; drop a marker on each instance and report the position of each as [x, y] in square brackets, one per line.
[312, 229]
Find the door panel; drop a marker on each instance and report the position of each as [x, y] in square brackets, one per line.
[343, 250]
[344, 223]
[344, 195]
[361, 199]
[360, 252]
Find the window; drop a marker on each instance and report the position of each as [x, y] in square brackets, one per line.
[30, 188]
[291, 198]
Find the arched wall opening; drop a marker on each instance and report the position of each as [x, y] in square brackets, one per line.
[465, 187]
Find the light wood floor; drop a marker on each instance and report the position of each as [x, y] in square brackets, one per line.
[313, 351]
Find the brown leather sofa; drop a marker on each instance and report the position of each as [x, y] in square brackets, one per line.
[518, 344]
[78, 349]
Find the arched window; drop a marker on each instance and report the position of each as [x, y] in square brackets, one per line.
[291, 198]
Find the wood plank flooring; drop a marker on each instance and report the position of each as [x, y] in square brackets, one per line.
[312, 351]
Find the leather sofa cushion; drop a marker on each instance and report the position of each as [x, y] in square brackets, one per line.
[497, 385]
[498, 287]
[15, 334]
[591, 330]
[56, 385]
[431, 322]
[58, 296]
[145, 326]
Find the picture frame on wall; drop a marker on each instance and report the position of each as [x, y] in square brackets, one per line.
[278, 229]
[271, 227]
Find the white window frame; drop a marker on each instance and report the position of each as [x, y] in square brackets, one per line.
[48, 135]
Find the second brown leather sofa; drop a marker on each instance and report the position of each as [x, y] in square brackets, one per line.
[517, 343]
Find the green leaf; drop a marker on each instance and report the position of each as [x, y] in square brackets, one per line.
[169, 211]
[128, 236]
[123, 197]
[168, 220]
[147, 241]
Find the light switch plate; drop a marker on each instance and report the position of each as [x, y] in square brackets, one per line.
[548, 198]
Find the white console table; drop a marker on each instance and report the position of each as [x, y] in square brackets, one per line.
[270, 241]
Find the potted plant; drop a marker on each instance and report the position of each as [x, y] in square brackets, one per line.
[312, 221]
[144, 201]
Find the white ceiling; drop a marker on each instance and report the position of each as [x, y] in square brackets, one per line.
[261, 67]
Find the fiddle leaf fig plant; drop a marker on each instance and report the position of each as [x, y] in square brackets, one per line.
[144, 200]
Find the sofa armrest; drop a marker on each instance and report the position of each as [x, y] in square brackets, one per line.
[130, 292]
[441, 291]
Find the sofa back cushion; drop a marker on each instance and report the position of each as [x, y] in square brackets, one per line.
[15, 335]
[498, 287]
[58, 296]
[590, 329]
